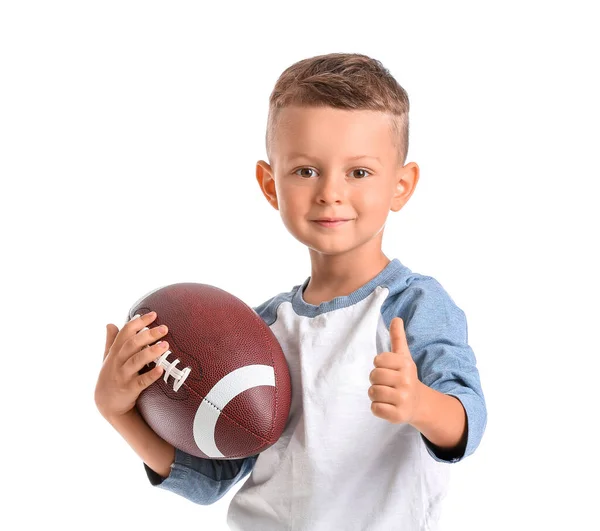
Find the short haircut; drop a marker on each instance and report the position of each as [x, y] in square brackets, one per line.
[342, 81]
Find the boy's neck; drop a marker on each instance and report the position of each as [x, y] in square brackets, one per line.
[338, 276]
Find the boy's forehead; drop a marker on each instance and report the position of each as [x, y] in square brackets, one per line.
[306, 129]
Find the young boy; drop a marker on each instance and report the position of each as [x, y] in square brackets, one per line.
[385, 387]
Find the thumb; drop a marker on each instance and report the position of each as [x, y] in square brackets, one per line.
[111, 334]
[399, 344]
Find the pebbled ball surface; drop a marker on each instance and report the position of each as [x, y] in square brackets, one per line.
[235, 402]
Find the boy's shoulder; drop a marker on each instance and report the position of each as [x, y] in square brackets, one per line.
[415, 289]
[268, 309]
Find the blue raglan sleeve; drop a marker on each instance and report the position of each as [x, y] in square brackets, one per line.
[202, 481]
[437, 336]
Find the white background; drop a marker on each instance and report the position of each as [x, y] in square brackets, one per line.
[129, 134]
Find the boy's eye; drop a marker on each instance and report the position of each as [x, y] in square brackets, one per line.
[364, 172]
[304, 169]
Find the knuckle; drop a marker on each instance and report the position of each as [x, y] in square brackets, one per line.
[146, 379]
[135, 360]
[133, 324]
[141, 340]
[129, 343]
[404, 380]
[144, 356]
[143, 381]
[149, 355]
[119, 378]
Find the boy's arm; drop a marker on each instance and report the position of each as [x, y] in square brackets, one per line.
[453, 414]
[442, 420]
[203, 481]
[157, 453]
[447, 366]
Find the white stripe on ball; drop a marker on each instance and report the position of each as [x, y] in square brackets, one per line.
[225, 390]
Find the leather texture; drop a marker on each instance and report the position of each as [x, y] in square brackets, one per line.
[216, 334]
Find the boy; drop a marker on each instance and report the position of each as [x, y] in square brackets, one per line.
[385, 389]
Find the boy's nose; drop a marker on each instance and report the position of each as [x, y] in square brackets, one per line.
[331, 188]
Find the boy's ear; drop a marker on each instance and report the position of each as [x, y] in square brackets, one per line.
[266, 181]
[407, 178]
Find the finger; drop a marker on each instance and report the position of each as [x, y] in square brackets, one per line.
[383, 394]
[148, 378]
[384, 411]
[132, 327]
[111, 334]
[145, 337]
[398, 336]
[386, 377]
[389, 360]
[143, 357]
[138, 322]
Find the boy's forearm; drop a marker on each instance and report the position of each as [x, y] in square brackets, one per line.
[440, 418]
[157, 453]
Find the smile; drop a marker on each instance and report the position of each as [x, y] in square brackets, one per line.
[331, 223]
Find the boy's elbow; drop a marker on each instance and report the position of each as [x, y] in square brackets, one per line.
[476, 412]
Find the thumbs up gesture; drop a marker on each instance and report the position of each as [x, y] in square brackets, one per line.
[395, 389]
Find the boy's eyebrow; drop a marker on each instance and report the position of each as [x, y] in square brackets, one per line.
[293, 156]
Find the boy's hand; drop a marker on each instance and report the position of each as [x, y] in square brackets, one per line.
[396, 388]
[119, 384]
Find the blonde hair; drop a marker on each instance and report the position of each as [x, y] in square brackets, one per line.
[343, 81]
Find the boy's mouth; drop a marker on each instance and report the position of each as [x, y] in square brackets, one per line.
[331, 222]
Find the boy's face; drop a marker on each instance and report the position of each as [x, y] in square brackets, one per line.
[316, 172]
